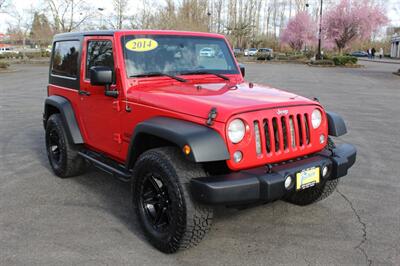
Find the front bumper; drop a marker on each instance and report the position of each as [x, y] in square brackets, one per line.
[264, 185]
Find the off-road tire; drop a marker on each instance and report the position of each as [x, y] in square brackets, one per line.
[187, 221]
[68, 163]
[317, 193]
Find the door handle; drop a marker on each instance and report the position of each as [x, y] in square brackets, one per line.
[86, 93]
[111, 93]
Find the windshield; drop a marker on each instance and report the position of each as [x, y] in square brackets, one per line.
[176, 55]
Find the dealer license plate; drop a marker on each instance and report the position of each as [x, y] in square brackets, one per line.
[307, 178]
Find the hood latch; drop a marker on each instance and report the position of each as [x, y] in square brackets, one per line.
[211, 116]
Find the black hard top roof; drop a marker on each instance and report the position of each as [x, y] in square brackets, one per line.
[72, 35]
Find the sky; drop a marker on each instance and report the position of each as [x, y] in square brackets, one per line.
[392, 13]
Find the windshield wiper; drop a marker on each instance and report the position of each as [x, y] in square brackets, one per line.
[202, 72]
[158, 74]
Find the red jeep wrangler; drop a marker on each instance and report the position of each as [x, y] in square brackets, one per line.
[171, 113]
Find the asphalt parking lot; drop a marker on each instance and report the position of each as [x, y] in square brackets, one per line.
[88, 220]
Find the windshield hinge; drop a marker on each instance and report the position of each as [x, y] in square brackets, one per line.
[211, 116]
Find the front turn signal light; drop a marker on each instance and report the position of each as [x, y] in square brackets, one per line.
[186, 149]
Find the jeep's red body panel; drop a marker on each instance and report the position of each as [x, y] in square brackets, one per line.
[107, 128]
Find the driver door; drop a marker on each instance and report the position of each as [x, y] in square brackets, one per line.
[100, 114]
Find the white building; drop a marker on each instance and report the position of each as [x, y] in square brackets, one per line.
[395, 48]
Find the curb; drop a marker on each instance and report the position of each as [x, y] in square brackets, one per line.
[273, 62]
[397, 62]
[323, 66]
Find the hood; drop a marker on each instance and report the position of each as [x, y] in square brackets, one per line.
[229, 98]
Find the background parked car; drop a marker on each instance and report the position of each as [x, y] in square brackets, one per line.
[246, 52]
[7, 50]
[359, 54]
[237, 52]
[265, 54]
[252, 51]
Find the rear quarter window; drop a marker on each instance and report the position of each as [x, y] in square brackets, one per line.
[65, 59]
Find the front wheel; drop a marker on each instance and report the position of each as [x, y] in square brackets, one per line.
[171, 220]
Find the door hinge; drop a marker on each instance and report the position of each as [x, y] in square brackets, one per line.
[117, 138]
[116, 106]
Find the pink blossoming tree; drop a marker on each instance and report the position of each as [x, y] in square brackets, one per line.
[301, 30]
[352, 20]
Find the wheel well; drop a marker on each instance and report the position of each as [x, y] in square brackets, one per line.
[216, 168]
[49, 110]
[144, 142]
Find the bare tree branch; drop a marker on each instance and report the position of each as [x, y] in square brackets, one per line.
[69, 15]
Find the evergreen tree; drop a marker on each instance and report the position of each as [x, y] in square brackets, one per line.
[41, 32]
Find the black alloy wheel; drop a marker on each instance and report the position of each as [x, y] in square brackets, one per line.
[54, 146]
[169, 217]
[155, 202]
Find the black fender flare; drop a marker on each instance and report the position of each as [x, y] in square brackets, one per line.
[68, 115]
[336, 124]
[206, 144]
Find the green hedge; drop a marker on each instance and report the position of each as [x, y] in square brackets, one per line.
[4, 65]
[30, 55]
[344, 60]
[10, 55]
[42, 53]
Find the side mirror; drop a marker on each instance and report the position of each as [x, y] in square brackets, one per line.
[100, 75]
[242, 69]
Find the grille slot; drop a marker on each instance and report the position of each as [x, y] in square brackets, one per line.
[267, 135]
[276, 134]
[300, 130]
[292, 131]
[257, 137]
[285, 133]
[307, 125]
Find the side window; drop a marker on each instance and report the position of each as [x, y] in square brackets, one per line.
[99, 53]
[65, 59]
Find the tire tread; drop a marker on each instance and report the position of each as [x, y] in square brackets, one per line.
[198, 217]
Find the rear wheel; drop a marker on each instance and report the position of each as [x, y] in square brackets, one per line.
[63, 156]
[171, 220]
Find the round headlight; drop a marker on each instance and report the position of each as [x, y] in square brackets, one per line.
[316, 118]
[236, 131]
